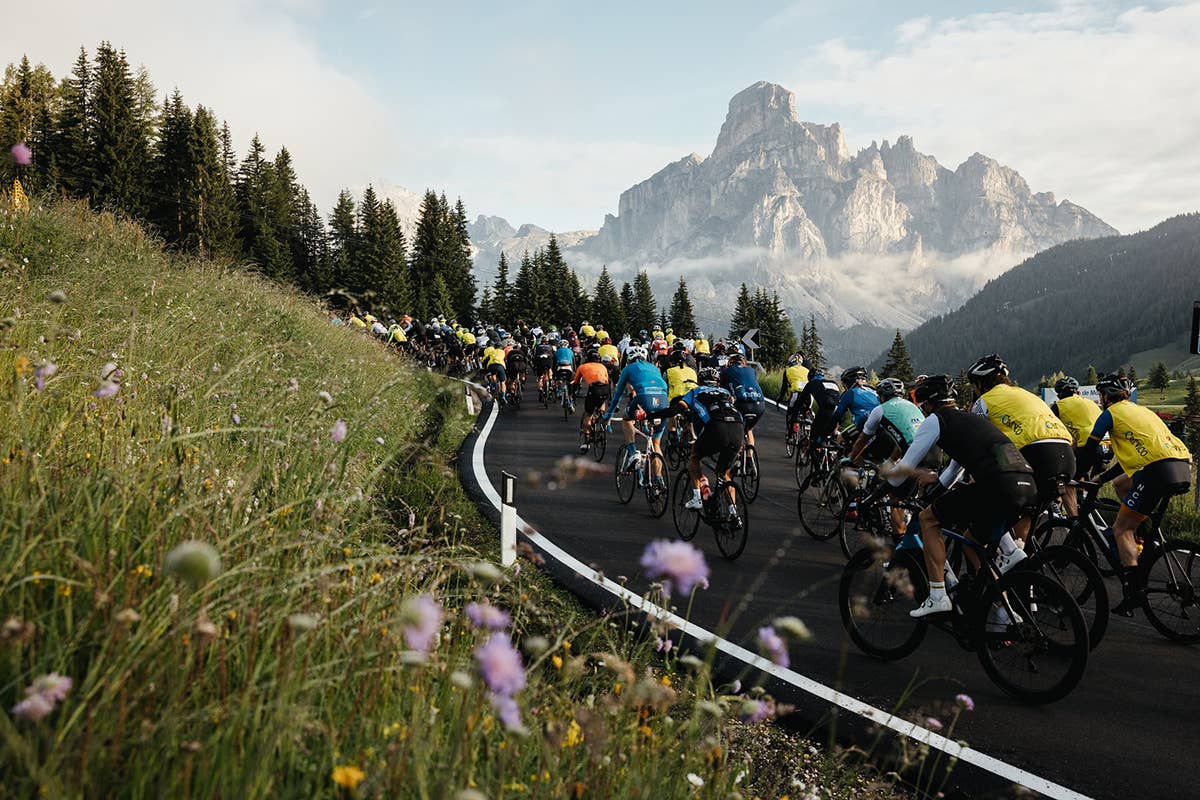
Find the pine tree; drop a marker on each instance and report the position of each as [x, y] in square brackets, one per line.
[742, 319]
[1133, 375]
[28, 98]
[252, 191]
[501, 305]
[813, 349]
[526, 297]
[644, 307]
[120, 137]
[73, 132]
[172, 203]
[1191, 413]
[682, 314]
[213, 211]
[438, 298]
[1160, 378]
[966, 390]
[427, 248]
[628, 309]
[1092, 377]
[898, 364]
[462, 279]
[606, 311]
[486, 305]
[343, 241]
[777, 336]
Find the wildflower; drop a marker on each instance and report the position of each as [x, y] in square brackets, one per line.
[662, 645]
[933, 723]
[128, 616]
[461, 679]
[378, 440]
[484, 571]
[755, 711]
[423, 619]
[293, 385]
[556, 661]
[21, 153]
[33, 708]
[339, 431]
[326, 397]
[793, 628]
[42, 372]
[302, 622]
[965, 701]
[194, 562]
[678, 563]
[58, 296]
[646, 731]
[772, 646]
[348, 777]
[535, 645]
[106, 389]
[237, 420]
[506, 708]
[574, 735]
[486, 615]
[500, 665]
[53, 687]
[21, 365]
[695, 780]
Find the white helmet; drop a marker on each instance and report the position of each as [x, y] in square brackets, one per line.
[636, 353]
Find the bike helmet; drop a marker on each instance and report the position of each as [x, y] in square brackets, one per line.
[592, 356]
[935, 389]
[736, 358]
[1065, 387]
[1111, 384]
[678, 346]
[853, 375]
[710, 376]
[796, 360]
[636, 353]
[890, 387]
[986, 367]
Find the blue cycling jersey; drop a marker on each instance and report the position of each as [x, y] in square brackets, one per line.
[860, 401]
[564, 355]
[646, 381]
[742, 382]
[704, 401]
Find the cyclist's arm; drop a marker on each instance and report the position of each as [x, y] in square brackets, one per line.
[1088, 455]
[870, 427]
[843, 404]
[924, 439]
[616, 397]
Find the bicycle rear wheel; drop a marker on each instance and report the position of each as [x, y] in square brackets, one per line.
[1079, 576]
[687, 521]
[599, 441]
[731, 535]
[658, 494]
[819, 505]
[877, 590]
[1171, 577]
[1031, 637]
[625, 474]
[801, 467]
[750, 477]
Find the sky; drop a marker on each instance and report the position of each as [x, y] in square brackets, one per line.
[544, 112]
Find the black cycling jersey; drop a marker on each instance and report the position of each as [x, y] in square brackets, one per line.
[977, 445]
[516, 361]
[821, 391]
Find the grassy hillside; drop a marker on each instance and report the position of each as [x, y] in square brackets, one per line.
[149, 401]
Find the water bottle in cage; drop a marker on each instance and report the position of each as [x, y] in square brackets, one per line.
[705, 489]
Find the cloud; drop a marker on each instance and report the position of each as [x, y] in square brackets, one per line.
[252, 61]
[1096, 104]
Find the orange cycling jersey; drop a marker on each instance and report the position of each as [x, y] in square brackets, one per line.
[592, 373]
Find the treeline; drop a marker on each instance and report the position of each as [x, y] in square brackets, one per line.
[101, 134]
[776, 336]
[1092, 302]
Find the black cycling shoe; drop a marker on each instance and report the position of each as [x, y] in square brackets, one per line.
[1132, 601]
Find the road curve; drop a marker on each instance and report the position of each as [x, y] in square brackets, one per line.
[1129, 729]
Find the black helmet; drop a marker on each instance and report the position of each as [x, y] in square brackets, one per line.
[593, 355]
[678, 346]
[935, 389]
[853, 375]
[1113, 384]
[709, 375]
[986, 367]
[889, 388]
[1065, 387]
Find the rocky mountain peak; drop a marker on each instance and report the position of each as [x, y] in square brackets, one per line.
[759, 111]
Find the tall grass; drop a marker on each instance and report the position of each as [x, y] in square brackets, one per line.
[290, 671]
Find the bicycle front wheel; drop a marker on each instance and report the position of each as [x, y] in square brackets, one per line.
[877, 590]
[658, 495]
[599, 441]
[750, 476]
[819, 505]
[732, 532]
[687, 521]
[625, 474]
[1031, 637]
[1171, 576]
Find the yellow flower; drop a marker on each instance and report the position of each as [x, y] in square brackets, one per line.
[375, 578]
[574, 735]
[617, 688]
[348, 776]
[556, 661]
[21, 365]
[665, 681]
[645, 729]
[567, 645]
[65, 590]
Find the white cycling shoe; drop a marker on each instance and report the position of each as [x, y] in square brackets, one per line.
[940, 606]
[1006, 562]
[998, 619]
[695, 504]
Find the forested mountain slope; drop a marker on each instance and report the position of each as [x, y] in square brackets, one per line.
[1096, 301]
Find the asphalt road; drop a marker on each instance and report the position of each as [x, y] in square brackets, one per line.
[1130, 729]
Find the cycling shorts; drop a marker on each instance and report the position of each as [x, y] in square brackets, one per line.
[597, 395]
[544, 363]
[516, 366]
[720, 439]
[498, 371]
[1156, 480]
[822, 426]
[648, 403]
[751, 410]
[1050, 462]
[880, 448]
[565, 372]
[989, 507]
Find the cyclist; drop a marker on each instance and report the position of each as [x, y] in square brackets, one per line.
[595, 375]
[795, 375]
[897, 419]
[649, 394]
[741, 380]
[493, 362]
[545, 362]
[824, 394]
[1028, 422]
[700, 346]
[1079, 414]
[858, 398]
[516, 363]
[1153, 464]
[1002, 483]
[564, 361]
[719, 433]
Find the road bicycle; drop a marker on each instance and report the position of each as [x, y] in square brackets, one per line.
[677, 444]
[731, 533]
[1026, 629]
[643, 469]
[563, 396]
[1169, 569]
[597, 440]
[745, 470]
[822, 498]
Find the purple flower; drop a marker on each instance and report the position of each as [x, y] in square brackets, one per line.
[677, 563]
[237, 420]
[339, 431]
[933, 723]
[500, 664]
[662, 645]
[486, 615]
[106, 389]
[53, 687]
[33, 707]
[422, 618]
[43, 371]
[21, 154]
[506, 708]
[755, 711]
[772, 646]
[378, 440]
[965, 701]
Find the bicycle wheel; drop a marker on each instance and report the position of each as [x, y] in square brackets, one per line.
[1082, 579]
[687, 521]
[877, 590]
[750, 477]
[658, 494]
[1057, 531]
[789, 443]
[1031, 637]
[625, 474]
[1171, 576]
[599, 441]
[819, 505]
[731, 535]
[802, 466]
[863, 531]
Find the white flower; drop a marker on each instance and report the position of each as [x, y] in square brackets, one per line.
[695, 780]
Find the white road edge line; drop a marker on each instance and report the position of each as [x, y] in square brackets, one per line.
[844, 701]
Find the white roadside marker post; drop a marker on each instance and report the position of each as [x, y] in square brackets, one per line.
[508, 522]
[470, 401]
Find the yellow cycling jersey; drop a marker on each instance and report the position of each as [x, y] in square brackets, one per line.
[702, 347]
[397, 335]
[587, 331]
[671, 339]
[1023, 416]
[1079, 415]
[1139, 437]
[795, 377]
[493, 355]
[602, 334]
[356, 322]
[468, 338]
[680, 381]
[609, 350]
[656, 334]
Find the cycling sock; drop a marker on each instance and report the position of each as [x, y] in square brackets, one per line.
[1007, 544]
[937, 590]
